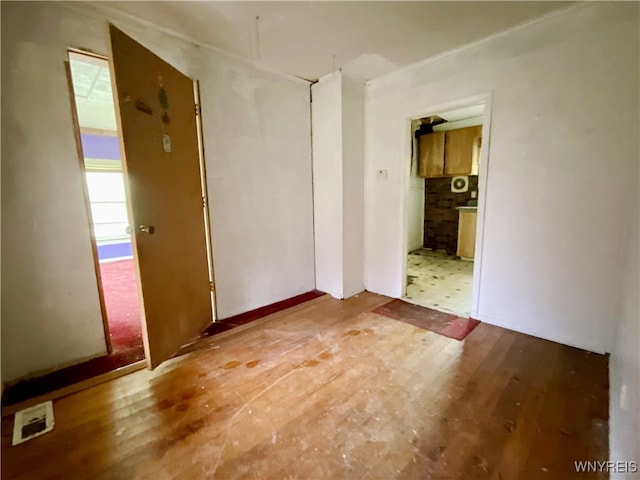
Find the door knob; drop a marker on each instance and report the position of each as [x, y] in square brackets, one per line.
[146, 229]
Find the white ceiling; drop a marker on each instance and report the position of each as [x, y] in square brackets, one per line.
[462, 113]
[460, 118]
[310, 39]
[92, 89]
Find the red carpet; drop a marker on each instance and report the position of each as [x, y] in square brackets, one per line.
[123, 306]
[441, 323]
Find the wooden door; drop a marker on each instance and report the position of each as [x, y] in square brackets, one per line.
[459, 150]
[431, 155]
[161, 161]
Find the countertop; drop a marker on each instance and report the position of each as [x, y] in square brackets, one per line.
[467, 208]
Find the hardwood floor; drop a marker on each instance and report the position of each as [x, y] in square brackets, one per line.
[331, 390]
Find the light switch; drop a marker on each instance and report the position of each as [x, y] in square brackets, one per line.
[382, 174]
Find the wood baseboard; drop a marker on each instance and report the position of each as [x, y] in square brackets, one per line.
[252, 315]
[73, 388]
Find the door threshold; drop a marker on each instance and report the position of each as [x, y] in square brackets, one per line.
[433, 307]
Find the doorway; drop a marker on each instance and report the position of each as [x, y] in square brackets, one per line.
[441, 207]
[107, 205]
[145, 193]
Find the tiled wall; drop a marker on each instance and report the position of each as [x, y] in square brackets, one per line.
[440, 214]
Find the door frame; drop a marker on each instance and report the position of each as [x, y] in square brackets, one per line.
[483, 176]
[85, 191]
[94, 247]
[205, 194]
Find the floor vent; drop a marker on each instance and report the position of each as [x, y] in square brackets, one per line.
[32, 422]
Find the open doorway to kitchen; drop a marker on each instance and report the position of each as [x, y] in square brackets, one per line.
[442, 205]
[107, 205]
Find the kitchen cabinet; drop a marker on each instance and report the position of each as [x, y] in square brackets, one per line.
[450, 153]
[467, 232]
[462, 150]
[431, 155]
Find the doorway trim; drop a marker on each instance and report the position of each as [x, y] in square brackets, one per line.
[205, 195]
[483, 175]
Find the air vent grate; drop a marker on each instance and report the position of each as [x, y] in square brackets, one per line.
[32, 422]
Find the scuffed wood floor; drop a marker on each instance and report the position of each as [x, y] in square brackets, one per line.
[331, 390]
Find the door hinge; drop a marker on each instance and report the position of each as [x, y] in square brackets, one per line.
[211, 286]
[204, 202]
[197, 109]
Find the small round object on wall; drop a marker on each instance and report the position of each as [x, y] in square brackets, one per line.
[459, 184]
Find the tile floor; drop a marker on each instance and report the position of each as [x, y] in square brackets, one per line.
[438, 280]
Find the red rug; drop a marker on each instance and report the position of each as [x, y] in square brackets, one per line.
[435, 321]
[123, 305]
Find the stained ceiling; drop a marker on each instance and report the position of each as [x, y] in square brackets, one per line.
[310, 39]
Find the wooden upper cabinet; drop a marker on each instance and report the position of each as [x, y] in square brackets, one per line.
[461, 151]
[431, 148]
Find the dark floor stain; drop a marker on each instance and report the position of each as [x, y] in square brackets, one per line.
[510, 426]
[436, 452]
[325, 355]
[232, 364]
[353, 333]
[182, 407]
[309, 363]
[480, 463]
[188, 394]
[181, 434]
[166, 403]
[252, 363]
[411, 279]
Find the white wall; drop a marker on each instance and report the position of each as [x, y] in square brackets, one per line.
[50, 310]
[338, 180]
[624, 363]
[257, 139]
[326, 119]
[353, 122]
[257, 142]
[563, 137]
